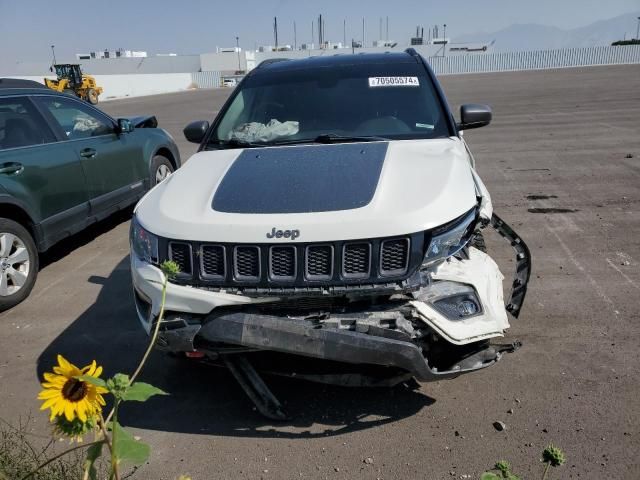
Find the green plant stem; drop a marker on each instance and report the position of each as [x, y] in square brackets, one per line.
[54, 458]
[105, 434]
[114, 459]
[154, 337]
[546, 470]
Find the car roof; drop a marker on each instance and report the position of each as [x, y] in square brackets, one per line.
[283, 64]
[19, 83]
[17, 86]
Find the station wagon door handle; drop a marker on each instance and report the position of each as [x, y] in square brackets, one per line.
[88, 153]
[9, 168]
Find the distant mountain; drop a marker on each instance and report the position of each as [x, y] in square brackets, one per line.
[543, 37]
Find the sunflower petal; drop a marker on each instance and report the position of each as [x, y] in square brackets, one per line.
[64, 364]
[82, 415]
[49, 403]
[53, 378]
[49, 393]
[69, 411]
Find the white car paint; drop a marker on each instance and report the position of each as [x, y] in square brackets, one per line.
[423, 184]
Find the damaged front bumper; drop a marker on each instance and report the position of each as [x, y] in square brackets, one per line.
[417, 329]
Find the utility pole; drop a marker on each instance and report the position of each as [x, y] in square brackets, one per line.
[638, 30]
[275, 31]
[53, 50]
[295, 37]
[444, 36]
[344, 32]
[313, 35]
[238, 51]
[363, 32]
[387, 36]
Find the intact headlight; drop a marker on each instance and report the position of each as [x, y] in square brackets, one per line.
[450, 239]
[143, 244]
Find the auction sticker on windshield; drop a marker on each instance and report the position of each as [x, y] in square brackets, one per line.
[394, 82]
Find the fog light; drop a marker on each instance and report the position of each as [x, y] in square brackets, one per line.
[467, 308]
[458, 307]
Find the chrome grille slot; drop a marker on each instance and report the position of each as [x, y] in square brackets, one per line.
[394, 256]
[212, 261]
[319, 262]
[282, 263]
[356, 260]
[181, 254]
[246, 263]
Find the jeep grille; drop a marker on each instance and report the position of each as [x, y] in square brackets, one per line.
[356, 262]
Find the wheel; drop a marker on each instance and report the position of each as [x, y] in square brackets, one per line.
[161, 168]
[92, 96]
[18, 263]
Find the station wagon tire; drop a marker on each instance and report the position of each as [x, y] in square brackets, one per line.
[161, 168]
[92, 96]
[18, 263]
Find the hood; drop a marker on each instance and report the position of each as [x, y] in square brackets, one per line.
[324, 192]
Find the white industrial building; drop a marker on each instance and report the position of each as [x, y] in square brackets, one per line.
[119, 53]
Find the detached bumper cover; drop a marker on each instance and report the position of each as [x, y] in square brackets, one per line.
[308, 338]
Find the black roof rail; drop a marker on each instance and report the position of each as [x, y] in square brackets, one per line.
[19, 83]
[269, 61]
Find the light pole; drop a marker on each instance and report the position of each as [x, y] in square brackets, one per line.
[444, 40]
[53, 50]
[238, 51]
[638, 30]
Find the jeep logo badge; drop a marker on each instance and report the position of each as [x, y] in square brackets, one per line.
[292, 234]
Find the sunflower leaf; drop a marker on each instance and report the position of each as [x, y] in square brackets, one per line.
[128, 449]
[98, 382]
[141, 392]
[93, 453]
[489, 476]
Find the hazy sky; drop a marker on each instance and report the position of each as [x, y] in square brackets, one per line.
[29, 27]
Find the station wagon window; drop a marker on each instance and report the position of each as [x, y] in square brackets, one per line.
[21, 125]
[75, 119]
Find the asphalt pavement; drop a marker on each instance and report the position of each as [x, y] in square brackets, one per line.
[562, 162]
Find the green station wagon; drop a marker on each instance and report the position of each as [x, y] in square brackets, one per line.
[64, 165]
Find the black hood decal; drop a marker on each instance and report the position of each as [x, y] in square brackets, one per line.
[301, 179]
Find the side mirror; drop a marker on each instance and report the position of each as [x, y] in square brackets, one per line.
[473, 115]
[195, 131]
[125, 125]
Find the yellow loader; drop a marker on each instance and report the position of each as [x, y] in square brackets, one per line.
[71, 80]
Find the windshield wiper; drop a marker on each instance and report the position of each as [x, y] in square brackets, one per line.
[332, 138]
[234, 142]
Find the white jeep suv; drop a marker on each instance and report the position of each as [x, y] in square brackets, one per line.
[332, 212]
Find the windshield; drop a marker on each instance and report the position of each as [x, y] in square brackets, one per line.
[388, 101]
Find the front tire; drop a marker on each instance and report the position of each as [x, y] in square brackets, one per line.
[18, 263]
[92, 96]
[161, 168]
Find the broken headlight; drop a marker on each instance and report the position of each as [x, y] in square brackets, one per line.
[451, 238]
[143, 244]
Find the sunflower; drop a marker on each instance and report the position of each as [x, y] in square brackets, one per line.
[67, 395]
